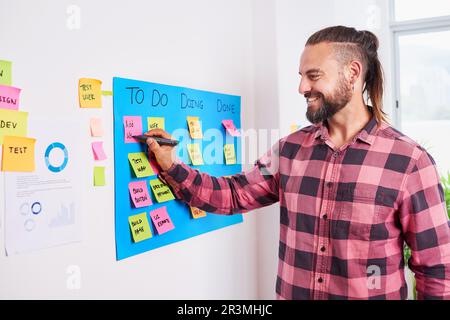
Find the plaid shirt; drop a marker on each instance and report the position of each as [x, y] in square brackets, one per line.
[344, 213]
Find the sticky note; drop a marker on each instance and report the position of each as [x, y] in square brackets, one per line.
[89, 93]
[139, 163]
[195, 127]
[195, 154]
[155, 123]
[96, 127]
[5, 72]
[197, 213]
[13, 123]
[161, 220]
[18, 154]
[139, 194]
[9, 97]
[231, 128]
[140, 228]
[230, 155]
[161, 191]
[294, 127]
[97, 149]
[133, 127]
[99, 176]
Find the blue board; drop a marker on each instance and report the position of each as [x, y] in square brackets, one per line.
[174, 104]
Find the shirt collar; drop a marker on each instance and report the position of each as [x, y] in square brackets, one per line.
[367, 134]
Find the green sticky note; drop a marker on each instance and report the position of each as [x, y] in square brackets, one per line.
[161, 191]
[5, 72]
[140, 228]
[13, 123]
[99, 176]
[139, 163]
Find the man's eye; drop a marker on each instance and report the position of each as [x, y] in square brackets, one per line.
[314, 76]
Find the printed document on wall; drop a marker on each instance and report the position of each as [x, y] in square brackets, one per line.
[42, 208]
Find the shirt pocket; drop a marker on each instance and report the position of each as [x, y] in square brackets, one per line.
[355, 215]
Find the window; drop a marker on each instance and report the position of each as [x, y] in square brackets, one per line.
[422, 75]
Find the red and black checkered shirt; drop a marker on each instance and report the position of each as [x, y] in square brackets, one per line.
[345, 212]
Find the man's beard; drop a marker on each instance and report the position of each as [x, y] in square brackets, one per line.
[331, 105]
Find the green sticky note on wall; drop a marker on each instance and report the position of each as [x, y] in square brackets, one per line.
[5, 72]
[161, 191]
[139, 163]
[99, 176]
[140, 228]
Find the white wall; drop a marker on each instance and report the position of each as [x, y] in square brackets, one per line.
[197, 43]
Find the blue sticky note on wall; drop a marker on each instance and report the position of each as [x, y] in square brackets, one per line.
[174, 104]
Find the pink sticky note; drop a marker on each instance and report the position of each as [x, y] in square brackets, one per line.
[231, 128]
[133, 127]
[96, 127]
[161, 220]
[9, 97]
[97, 148]
[139, 194]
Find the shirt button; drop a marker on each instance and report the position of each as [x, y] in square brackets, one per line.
[329, 184]
[325, 217]
[320, 280]
[322, 249]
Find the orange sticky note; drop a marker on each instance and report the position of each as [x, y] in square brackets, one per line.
[90, 93]
[96, 127]
[18, 154]
[197, 213]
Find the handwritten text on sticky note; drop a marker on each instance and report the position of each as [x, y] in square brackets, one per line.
[133, 127]
[13, 123]
[197, 213]
[139, 194]
[90, 93]
[5, 72]
[140, 228]
[195, 154]
[195, 127]
[155, 123]
[139, 163]
[9, 97]
[18, 154]
[230, 155]
[161, 191]
[161, 220]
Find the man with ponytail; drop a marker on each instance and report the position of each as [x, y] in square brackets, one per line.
[352, 189]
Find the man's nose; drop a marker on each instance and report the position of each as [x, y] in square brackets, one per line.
[304, 86]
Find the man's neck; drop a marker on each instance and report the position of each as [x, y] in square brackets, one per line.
[347, 123]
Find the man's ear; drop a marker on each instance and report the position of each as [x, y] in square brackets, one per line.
[355, 71]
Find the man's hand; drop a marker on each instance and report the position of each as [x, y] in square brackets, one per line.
[164, 154]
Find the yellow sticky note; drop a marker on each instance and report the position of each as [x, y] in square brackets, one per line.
[197, 213]
[90, 93]
[99, 176]
[140, 164]
[161, 191]
[18, 154]
[5, 72]
[294, 127]
[155, 123]
[140, 228]
[195, 154]
[195, 127]
[13, 123]
[230, 155]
